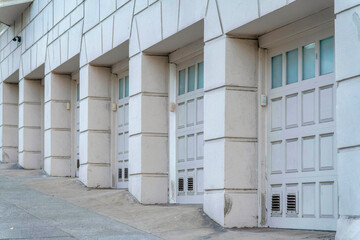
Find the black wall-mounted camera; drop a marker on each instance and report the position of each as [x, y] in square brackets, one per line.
[17, 39]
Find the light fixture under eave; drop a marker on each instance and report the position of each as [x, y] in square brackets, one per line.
[17, 39]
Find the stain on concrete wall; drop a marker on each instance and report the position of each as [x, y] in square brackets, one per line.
[227, 205]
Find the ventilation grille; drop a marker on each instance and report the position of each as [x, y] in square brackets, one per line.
[126, 173]
[291, 203]
[180, 184]
[120, 174]
[190, 186]
[275, 203]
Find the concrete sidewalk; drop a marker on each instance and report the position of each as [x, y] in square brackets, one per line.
[34, 206]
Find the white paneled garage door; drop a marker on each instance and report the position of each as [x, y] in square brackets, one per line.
[302, 166]
[122, 156]
[190, 132]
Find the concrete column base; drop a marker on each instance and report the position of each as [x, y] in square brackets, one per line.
[149, 188]
[95, 175]
[57, 167]
[9, 154]
[232, 208]
[30, 160]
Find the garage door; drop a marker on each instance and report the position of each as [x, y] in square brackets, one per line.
[190, 133]
[302, 170]
[122, 156]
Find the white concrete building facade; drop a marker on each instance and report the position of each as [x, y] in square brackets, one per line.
[246, 107]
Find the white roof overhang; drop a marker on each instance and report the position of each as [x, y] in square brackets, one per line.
[12, 9]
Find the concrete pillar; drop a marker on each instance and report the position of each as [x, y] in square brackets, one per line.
[57, 134]
[347, 74]
[230, 132]
[95, 97]
[9, 122]
[148, 128]
[30, 149]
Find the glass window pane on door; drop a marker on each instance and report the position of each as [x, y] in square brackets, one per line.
[191, 78]
[200, 83]
[121, 88]
[327, 56]
[182, 82]
[308, 61]
[292, 66]
[126, 86]
[276, 71]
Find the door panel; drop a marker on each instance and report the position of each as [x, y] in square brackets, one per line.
[302, 188]
[190, 141]
[122, 153]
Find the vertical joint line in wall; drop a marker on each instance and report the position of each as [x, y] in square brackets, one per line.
[68, 44]
[101, 30]
[178, 20]
[113, 30]
[161, 19]
[99, 13]
[30, 57]
[36, 50]
[218, 10]
[101, 38]
[138, 36]
[83, 39]
[207, 7]
[59, 39]
[53, 49]
[132, 19]
[63, 16]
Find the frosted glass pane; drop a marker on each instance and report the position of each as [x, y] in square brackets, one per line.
[327, 56]
[121, 88]
[78, 92]
[126, 86]
[308, 61]
[292, 66]
[182, 82]
[276, 71]
[191, 78]
[200, 83]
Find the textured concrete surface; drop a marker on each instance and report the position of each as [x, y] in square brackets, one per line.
[29, 214]
[34, 206]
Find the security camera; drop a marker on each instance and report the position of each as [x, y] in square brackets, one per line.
[17, 39]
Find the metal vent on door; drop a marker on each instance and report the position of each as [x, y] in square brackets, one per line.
[291, 203]
[190, 184]
[180, 184]
[126, 174]
[275, 203]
